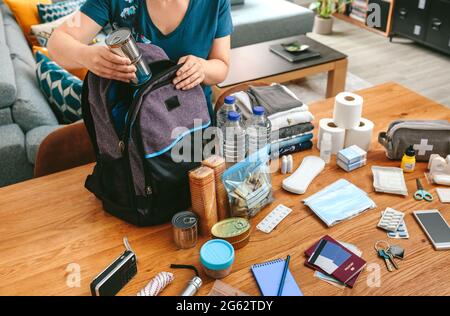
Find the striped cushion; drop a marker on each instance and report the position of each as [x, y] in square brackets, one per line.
[62, 90]
[55, 11]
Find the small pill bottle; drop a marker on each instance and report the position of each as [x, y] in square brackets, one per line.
[409, 160]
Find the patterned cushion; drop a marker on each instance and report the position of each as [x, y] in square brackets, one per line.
[55, 11]
[63, 90]
[44, 31]
[79, 72]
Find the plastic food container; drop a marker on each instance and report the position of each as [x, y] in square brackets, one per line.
[235, 230]
[217, 257]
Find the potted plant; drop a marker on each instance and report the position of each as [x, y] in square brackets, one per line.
[323, 21]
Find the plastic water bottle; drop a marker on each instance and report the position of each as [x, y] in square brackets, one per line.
[234, 147]
[258, 129]
[222, 115]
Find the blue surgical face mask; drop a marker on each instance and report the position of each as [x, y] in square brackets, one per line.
[339, 201]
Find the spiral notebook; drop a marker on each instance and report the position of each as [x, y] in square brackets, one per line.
[268, 276]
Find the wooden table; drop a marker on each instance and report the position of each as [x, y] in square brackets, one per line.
[257, 63]
[49, 223]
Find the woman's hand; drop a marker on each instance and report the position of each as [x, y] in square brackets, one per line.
[104, 63]
[191, 74]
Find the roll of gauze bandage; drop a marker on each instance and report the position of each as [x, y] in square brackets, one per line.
[347, 110]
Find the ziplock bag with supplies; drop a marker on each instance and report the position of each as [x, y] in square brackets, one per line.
[249, 185]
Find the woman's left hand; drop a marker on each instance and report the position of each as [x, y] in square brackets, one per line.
[191, 74]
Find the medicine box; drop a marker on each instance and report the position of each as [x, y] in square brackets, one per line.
[352, 155]
[352, 166]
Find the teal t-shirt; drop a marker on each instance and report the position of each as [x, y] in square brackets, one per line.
[204, 21]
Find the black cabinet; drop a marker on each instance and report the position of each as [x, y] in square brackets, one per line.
[438, 29]
[426, 21]
[411, 18]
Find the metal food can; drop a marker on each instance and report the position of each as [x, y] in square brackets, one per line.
[121, 42]
[235, 230]
[185, 229]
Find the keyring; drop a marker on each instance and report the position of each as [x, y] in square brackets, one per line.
[377, 245]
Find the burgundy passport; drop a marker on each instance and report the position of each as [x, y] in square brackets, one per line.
[347, 272]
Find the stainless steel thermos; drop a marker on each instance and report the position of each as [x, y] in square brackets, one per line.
[121, 42]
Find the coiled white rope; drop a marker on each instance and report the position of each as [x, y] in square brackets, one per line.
[157, 284]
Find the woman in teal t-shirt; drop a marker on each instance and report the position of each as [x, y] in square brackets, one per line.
[193, 32]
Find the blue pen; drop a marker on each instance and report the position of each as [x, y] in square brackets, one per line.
[283, 277]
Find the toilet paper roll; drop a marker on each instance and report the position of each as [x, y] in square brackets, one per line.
[347, 110]
[337, 134]
[361, 135]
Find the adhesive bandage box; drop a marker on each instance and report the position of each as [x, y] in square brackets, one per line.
[352, 155]
[352, 166]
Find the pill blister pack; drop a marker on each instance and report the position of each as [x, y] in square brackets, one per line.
[391, 220]
[273, 219]
[400, 233]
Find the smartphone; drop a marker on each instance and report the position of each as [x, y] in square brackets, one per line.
[436, 228]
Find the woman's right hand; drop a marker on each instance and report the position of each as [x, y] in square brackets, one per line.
[104, 63]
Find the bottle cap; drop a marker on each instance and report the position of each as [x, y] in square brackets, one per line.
[410, 151]
[234, 116]
[229, 99]
[258, 110]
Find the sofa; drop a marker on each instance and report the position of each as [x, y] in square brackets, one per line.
[258, 21]
[26, 118]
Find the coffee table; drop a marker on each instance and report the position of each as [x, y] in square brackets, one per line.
[257, 63]
[52, 226]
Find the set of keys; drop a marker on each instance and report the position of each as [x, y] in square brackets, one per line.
[389, 253]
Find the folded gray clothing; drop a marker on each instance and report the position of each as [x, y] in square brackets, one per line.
[274, 99]
[293, 130]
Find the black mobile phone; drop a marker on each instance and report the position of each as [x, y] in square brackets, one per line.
[111, 280]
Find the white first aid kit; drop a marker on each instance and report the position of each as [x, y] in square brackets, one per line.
[439, 169]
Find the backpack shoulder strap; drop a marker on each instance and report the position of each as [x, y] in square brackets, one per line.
[86, 113]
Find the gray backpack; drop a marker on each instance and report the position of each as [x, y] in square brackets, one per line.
[135, 176]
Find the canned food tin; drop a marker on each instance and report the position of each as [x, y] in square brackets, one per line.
[185, 230]
[122, 43]
[235, 230]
